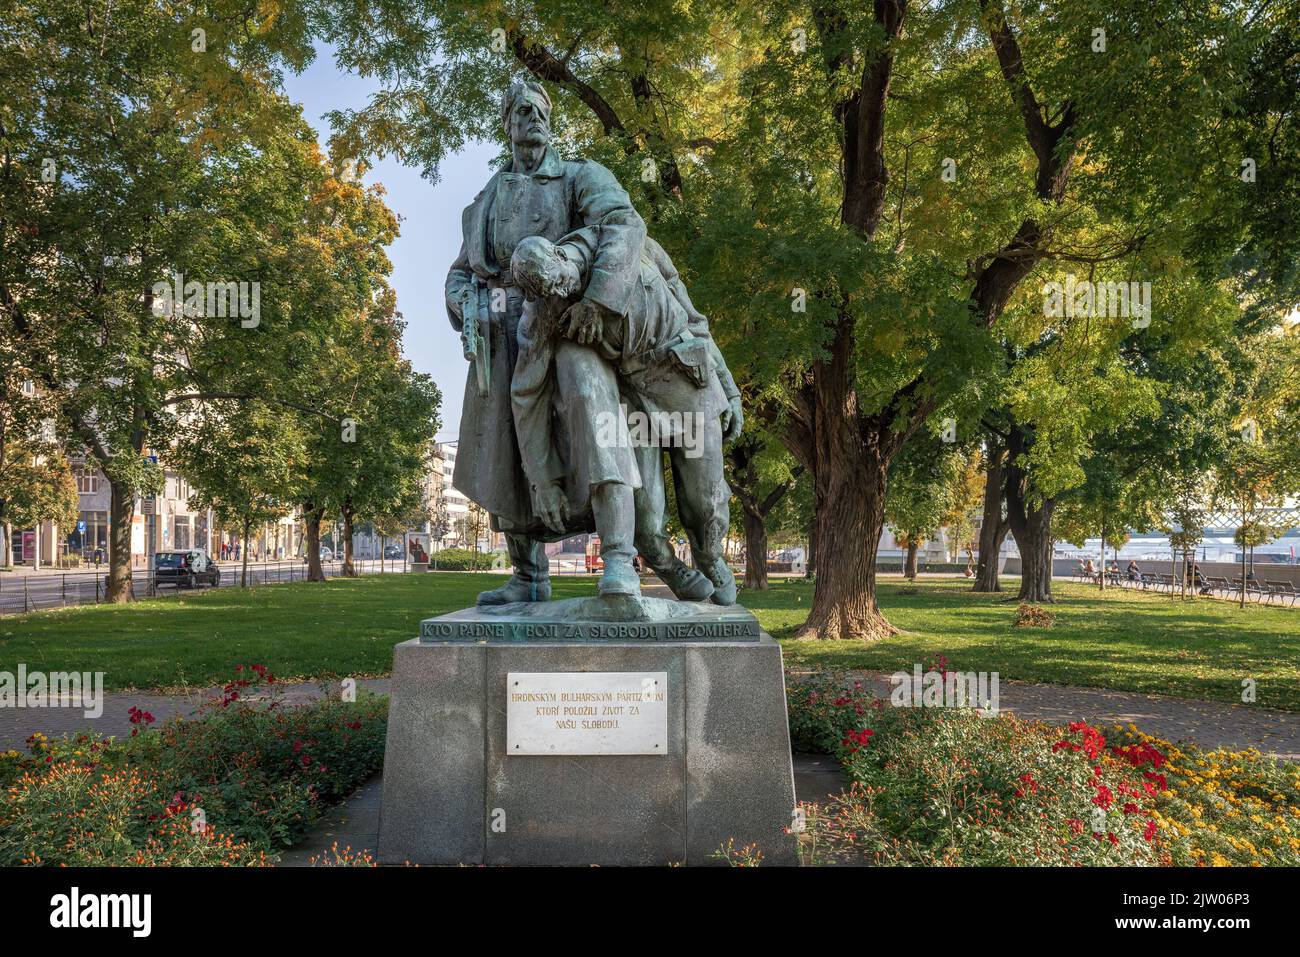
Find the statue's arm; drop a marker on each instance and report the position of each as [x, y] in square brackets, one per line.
[620, 233]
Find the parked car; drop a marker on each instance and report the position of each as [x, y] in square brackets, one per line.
[186, 569]
[326, 553]
[392, 551]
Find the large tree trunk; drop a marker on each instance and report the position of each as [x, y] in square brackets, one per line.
[314, 515]
[852, 468]
[1033, 533]
[121, 513]
[1030, 521]
[755, 550]
[909, 569]
[844, 601]
[993, 529]
[348, 570]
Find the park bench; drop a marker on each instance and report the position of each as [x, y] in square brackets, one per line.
[1252, 588]
[1218, 584]
[1282, 590]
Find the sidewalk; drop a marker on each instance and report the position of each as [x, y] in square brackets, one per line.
[1210, 724]
[17, 724]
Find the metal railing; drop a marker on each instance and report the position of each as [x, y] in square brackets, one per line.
[35, 591]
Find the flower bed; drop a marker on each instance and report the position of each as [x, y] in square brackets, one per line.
[230, 787]
[950, 786]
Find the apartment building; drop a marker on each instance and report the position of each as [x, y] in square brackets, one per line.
[455, 504]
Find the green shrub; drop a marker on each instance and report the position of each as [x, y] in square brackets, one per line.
[465, 560]
[249, 777]
[822, 708]
[952, 786]
[93, 815]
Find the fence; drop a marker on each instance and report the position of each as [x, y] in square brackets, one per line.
[39, 590]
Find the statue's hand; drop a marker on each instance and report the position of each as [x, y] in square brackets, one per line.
[733, 419]
[552, 506]
[585, 321]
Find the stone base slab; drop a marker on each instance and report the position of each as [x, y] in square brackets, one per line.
[624, 618]
[452, 795]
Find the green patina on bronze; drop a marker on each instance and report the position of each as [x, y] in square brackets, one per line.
[600, 331]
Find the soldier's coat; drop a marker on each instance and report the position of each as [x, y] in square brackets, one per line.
[559, 197]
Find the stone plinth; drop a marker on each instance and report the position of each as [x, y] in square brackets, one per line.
[453, 794]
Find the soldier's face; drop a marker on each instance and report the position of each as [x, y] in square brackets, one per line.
[528, 124]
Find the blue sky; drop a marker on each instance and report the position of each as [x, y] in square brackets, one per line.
[430, 235]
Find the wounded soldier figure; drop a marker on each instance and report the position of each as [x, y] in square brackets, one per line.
[655, 366]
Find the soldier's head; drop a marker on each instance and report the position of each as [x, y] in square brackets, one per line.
[526, 114]
[542, 269]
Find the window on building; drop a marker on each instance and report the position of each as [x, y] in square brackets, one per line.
[87, 482]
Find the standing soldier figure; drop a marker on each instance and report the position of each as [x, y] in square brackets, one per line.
[539, 194]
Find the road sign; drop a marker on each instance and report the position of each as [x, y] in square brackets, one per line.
[81, 528]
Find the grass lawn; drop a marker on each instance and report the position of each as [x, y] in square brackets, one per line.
[1123, 639]
[341, 627]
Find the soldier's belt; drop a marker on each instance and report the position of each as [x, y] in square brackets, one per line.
[683, 354]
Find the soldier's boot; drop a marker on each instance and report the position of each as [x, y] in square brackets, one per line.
[611, 505]
[724, 583]
[531, 580]
[686, 583]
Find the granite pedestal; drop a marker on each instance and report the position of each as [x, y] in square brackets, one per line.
[453, 794]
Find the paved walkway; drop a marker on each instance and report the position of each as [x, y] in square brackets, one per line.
[1210, 724]
[17, 724]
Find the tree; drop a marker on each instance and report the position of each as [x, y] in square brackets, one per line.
[921, 493]
[855, 194]
[153, 145]
[965, 495]
[760, 475]
[241, 460]
[36, 483]
[34, 487]
[1253, 483]
[994, 525]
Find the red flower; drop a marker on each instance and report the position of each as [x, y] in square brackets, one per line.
[856, 740]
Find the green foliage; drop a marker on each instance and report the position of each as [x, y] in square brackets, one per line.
[822, 708]
[254, 777]
[36, 487]
[464, 559]
[921, 487]
[951, 787]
